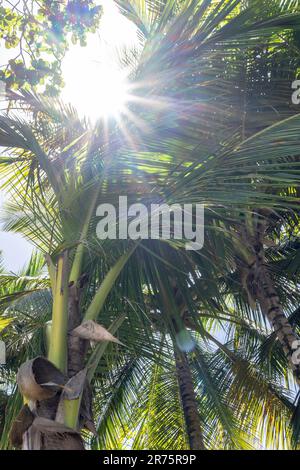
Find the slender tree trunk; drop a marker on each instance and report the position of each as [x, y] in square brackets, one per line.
[265, 293]
[189, 402]
[260, 286]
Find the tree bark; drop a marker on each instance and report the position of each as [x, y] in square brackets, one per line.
[264, 291]
[77, 347]
[260, 287]
[189, 402]
[35, 440]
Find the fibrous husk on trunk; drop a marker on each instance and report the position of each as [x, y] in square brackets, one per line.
[86, 417]
[77, 347]
[22, 422]
[92, 331]
[47, 408]
[72, 391]
[38, 379]
[74, 386]
[45, 434]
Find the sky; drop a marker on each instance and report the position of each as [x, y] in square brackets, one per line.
[93, 83]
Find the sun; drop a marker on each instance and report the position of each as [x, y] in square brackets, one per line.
[112, 94]
[94, 82]
[98, 91]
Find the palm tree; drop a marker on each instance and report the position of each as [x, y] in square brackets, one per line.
[189, 142]
[137, 394]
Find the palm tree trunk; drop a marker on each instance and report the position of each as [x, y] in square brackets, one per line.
[77, 347]
[68, 353]
[261, 288]
[265, 293]
[189, 402]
